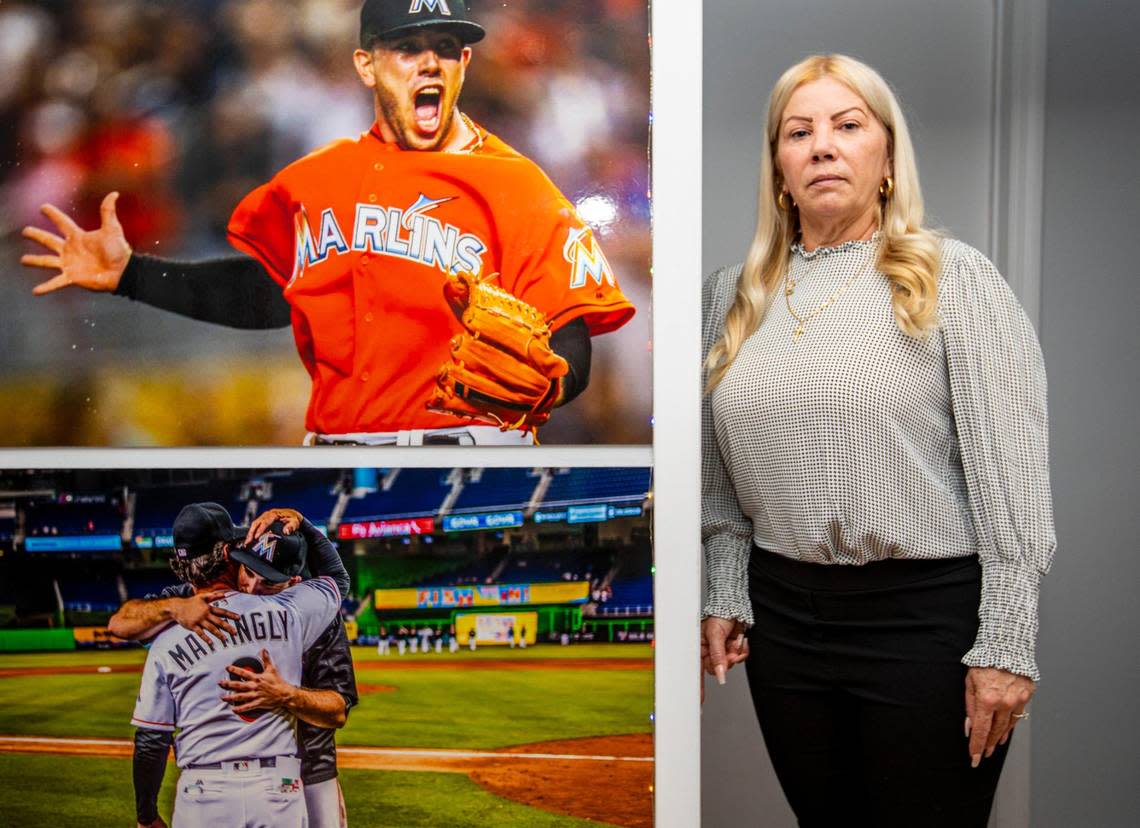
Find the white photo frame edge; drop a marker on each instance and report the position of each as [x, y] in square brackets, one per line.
[675, 95]
[675, 113]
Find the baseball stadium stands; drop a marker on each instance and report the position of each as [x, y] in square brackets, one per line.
[409, 493]
[312, 492]
[633, 596]
[593, 485]
[497, 489]
[71, 517]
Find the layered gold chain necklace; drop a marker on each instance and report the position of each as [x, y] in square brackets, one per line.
[801, 321]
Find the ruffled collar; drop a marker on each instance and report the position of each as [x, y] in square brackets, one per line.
[842, 247]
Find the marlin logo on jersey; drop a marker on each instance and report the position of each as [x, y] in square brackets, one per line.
[398, 232]
[586, 258]
[429, 5]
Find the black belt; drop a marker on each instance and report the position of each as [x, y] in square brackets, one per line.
[266, 762]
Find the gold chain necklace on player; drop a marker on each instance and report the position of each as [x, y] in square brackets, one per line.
[478, 141]
[801, 321]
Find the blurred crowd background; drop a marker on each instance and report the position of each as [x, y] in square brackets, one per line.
[184, 106]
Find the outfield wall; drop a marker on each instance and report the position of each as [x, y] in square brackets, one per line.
[16, 641]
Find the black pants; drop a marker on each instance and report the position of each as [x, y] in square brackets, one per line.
[856, 677]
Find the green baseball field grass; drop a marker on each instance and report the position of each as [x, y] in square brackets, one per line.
[491, 699]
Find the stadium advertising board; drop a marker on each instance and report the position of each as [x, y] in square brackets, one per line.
[587, 513]
[489, 520]
[99, 637]
[494, 595]
[385, 528]
[497, 628]
[74, 543]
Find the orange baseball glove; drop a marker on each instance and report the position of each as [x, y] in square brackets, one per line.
[502, 371]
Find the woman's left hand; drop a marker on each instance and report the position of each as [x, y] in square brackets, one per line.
[995, 702]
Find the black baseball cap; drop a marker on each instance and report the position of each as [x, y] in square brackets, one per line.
[201, 525]
[273, 555]
[383, 19]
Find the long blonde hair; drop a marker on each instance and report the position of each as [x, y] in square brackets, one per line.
[909, 253]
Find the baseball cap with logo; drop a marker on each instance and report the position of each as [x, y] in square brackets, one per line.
[273, 555]
[383, 19]
[201, 525]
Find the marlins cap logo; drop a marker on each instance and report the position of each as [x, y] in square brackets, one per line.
[429, 5]
[266, 548]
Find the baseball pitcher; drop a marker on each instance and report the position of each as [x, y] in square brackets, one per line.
[440, 288]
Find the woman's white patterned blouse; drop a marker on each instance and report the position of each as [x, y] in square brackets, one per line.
[856, 443]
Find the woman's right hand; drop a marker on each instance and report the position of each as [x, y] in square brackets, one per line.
[723, 646]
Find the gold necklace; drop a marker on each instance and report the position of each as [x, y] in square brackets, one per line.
[477, 142]
[801, 321]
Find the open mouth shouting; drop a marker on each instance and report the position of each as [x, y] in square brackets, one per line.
[428, 108]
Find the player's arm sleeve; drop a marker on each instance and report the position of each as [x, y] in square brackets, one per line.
[154, 707]
[149, 766]
[572, 343]
[556, 264]
[264, 226]
[235, 291]
[324, 559]
[330, 667]
[316, 602]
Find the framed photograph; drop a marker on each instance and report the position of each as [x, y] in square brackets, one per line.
[260, 222]
[491, 650]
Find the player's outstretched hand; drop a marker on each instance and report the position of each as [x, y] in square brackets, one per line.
[290, 521]
[92, 259]
[198, 615]
[257, 691]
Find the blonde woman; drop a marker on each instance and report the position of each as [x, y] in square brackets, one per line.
[876, 505]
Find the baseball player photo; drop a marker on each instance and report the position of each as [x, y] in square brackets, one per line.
[440, 288]
[251, 667]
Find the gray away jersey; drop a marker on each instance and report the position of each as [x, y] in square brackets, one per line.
[180, 680]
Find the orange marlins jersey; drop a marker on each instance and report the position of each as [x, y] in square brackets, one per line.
[360, 235]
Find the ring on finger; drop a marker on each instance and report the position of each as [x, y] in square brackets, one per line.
[1022, 715]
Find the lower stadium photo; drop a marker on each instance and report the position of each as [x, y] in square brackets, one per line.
[388, 647]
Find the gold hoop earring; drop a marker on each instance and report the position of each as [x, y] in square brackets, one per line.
[887, 187]
[784, 201]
